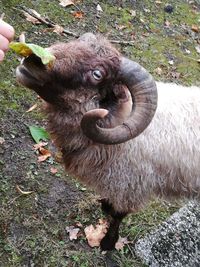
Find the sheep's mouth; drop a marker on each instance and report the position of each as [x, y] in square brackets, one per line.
[26, 77]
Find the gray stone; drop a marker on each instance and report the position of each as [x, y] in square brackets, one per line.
[176, 242]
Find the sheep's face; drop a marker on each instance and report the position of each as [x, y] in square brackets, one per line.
[77, 65]
[93, 73]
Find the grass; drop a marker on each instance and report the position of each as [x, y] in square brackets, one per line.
[32, 227]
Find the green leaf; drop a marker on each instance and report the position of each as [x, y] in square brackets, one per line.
[38, 133]
[25, 50]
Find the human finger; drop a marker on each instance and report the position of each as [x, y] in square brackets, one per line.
[4, 43]
[6, 30]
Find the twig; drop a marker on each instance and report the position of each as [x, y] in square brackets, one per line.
[122, 42]
[191, 58]
[52, 24]
[47, 22]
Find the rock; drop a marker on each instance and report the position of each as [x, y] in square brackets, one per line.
[176, 242]
[168, 9]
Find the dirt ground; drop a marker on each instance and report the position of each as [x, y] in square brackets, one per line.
[163, 36]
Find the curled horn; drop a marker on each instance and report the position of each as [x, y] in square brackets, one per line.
[144, 93]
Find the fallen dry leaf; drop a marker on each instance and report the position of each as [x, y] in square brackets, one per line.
[99, 8]
[167, 23]
[187, 51]
[31, 18]
[39, 145]
[2, 140]
[94, 235]
[32, 108]
[58, 29]
[120, 27]
[73, 232]
[78, 14]
[23, 192]
[53, 170]
[195, 28]
[122, 241]
[175, 74]
[132, 12]
[65, 3]
[158, 71]
[171, 62]
[45, 154]
[79, 224]
[198, 49]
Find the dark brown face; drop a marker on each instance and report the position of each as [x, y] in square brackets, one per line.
[32, 73]
[76, 65]
[92, 64]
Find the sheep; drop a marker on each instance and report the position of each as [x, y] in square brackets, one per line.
[123, 135]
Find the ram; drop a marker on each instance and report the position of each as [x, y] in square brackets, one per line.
[120, 133]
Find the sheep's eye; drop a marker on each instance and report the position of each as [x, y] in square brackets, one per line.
[97, 75]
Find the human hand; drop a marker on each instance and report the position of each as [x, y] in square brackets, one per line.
[7, 33]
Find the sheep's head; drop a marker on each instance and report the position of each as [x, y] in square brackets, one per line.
[92, 63]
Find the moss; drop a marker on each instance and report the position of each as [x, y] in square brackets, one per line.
[31, 230]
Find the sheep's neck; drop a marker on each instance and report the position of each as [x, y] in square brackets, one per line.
[77, 149]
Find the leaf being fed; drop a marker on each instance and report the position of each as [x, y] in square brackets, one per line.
[26, 50]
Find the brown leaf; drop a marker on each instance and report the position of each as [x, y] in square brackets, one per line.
[53, 170]
[198, 49]
[43, 158]
[58, 29]
[78, 14]
[45, 154]
[175, 75]
[73, 232]
[195, 28]
[122, 241]
[79, 224]
[31, 18]
[32, 108]
[158, 71]
[39, 145]
[2, 140]
[167, 23]
[132, 12]
[65, 3]
[94, 235]
[121, 27]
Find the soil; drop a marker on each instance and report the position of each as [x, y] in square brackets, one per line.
[32, 226]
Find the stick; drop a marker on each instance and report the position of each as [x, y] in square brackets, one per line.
[47, 22]
[122, 42]
[52, 24]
